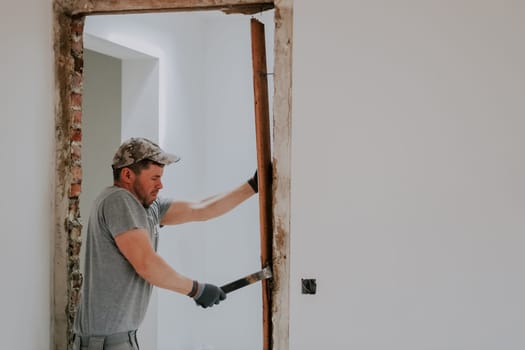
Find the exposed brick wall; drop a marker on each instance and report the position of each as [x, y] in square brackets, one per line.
[73, 224]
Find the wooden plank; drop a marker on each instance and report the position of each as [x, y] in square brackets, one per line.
[87, 7]
[262, 128]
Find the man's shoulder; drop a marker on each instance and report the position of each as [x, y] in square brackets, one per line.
[115, 193]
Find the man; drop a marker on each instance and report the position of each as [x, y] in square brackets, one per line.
[121, 260]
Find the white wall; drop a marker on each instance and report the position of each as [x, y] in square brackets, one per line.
[26, 179]
[413, 227]
[101, 125]
[140, 102]
[407, 188]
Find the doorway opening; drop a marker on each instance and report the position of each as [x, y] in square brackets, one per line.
[186, 83]
[69, 47]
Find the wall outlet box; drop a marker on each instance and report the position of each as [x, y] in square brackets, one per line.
[308, 286]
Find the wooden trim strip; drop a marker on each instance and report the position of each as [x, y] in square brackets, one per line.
[91, 7]
[262, 128]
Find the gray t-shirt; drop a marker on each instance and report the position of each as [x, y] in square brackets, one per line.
[114, 297]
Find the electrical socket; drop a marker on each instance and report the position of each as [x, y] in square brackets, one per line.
[308, 286]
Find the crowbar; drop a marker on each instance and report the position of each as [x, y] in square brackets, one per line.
[247, 280]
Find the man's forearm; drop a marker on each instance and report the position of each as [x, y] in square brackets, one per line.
[220, 204]
[181, 212]
[157, 272]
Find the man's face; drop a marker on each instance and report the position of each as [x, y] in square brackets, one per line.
[147, 184]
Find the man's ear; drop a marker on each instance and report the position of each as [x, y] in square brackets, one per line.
[126, 174]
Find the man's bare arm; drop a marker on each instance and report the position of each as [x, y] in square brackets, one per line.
[209, 208]
[135, 245]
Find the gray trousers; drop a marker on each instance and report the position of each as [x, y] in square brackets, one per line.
[120, 341]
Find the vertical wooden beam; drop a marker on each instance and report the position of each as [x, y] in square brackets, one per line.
[282, 125]
[262, 128]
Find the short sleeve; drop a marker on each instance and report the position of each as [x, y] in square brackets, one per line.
[164, 205]
[122, 212]
[159, 208]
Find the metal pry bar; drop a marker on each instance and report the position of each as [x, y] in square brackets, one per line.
[247, 280]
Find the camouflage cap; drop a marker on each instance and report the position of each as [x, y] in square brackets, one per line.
[136, 149]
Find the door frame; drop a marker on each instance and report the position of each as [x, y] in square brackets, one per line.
[68, 26]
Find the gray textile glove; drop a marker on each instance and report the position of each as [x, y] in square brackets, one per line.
[206, 295]
[254, 182]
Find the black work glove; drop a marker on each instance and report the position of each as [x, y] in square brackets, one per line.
[254, 182]
[206, 295]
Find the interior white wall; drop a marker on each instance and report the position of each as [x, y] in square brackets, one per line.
[444, 208]
[407, 175]
[206, 111]
[101, 126]
[221, 126]
[26, 179]
[230, 157]
[140, 102]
